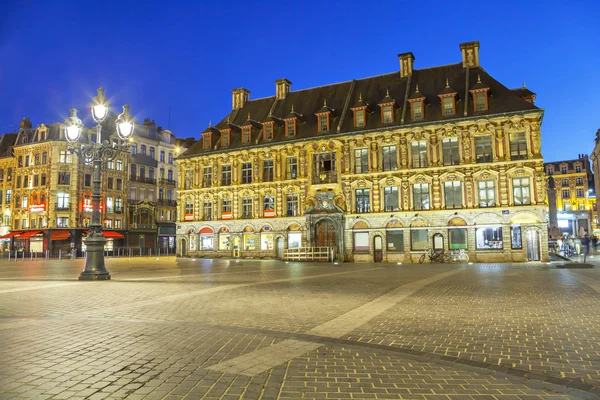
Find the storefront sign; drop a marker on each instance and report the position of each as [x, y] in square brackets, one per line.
[37, 208]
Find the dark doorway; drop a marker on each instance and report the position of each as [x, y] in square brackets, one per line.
[326, 236]
[378, 249]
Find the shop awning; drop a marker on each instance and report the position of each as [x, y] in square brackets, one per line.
[59, 235]
[28, 234]
[112, 235]
[11, 234]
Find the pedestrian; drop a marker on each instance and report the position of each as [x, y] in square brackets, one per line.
[577, 242]
[585, 246]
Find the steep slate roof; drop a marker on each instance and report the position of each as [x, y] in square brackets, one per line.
[7, 141]
[342, 96]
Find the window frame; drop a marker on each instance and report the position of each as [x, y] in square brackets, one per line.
[361, 160]
[247, 172]
[421, 196]
[362, 200]
[389, 160]
[456, 189]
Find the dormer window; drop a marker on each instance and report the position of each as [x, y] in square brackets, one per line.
[360, 111]
[417, 110]
[387, 106]
[206, 141]
[480, 96]
[268, 131]
[359, 118]
[225, 138]
[323, 122]
[290, 127]
[448, 106]
[246, 134]
[480, 101]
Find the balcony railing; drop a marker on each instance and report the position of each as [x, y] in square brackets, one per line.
[324, 177]
[65, 207]
[169, 182]
[142, 226]
[142, 179]
[169, 203]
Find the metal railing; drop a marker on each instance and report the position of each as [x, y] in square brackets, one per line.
[169, 182]
[72, 254]
[309, 254]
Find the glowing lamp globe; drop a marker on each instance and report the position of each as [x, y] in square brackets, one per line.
[125, 124]
[73, 126]
[100, 106]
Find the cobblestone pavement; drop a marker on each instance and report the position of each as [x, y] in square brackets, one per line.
[173, 329]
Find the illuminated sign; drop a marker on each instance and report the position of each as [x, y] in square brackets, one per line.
[563, 223]
[37, 208]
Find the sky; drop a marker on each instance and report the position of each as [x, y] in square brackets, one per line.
[176, 62]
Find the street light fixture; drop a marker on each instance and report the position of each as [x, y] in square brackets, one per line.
[96, 153]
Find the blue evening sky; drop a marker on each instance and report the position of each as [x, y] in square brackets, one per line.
[188, 55]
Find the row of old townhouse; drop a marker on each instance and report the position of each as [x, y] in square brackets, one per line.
[373, 169]
[45, 189]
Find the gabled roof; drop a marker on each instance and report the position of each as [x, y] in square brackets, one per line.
[341, 96]
[7, 141]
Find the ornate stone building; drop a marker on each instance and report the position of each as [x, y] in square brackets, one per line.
[378, 169]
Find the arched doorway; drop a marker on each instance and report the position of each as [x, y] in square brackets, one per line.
[532, 242]
[326, 235]
[183, 247]
[279, 247]
[377, 249]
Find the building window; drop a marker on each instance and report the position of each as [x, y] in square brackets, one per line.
[518, 146]
[118, 224]
[109, 205]
[418, 239]
[565, 182]
[487, 193]
[521, 192]
[62, 201]
[421, 196]
[226, 206]
[363, 201]
[419, 155]
[246, 134]
[247, 207]
[247, 172]
[292, 205]
[188, 178]
[580, 192]
[450, 153]
[579, 181]
[268, 171]
[448, 106]
[563, 169]
[24, 202]
[578, 168]
[118, 205]
[111, 164]
[390, 198]
[64, 178]
[361, 242]
[566, 194]
[483, 149]
[457, 238]
[133, 148]
[291, 168]
[226, 175]
[44, 157]
[8, 196]
[162, 156]
[387, 114]
[170, 158]
[516, 241]
[323, 122]
[207, 210]
[143, 149]
[453, 194]
[62, 222]
[389, 158]
[395, 240]
[87, 180]
[290, 127]
[488, 238]
[27, 161]
[119, 165]
[359, 118]
[481, 101]
[36, 159]
[36, 180]
[64, 157]
[119, 184]
[189, 207]
[170, 175]
[152, 153]
[417, 110]
[207, 177]
[268, 131]
[26, 181]
[268, 204]
[361, 161]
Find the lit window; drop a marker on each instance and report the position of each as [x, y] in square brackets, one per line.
[421, 196]
[518, 147]
[323, 122]
[521, 191]
[390, 198]
[363, 201]
[488, 239]
[487, 193]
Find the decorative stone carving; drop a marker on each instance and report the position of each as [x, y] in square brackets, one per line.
[405, 195]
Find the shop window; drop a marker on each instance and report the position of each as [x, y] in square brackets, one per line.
[418, 239]
[395, 239]
[361, 242]
[193, 242]
[457, 238]
[206, 242]
[266, 242]
[224, 241]
[516, 241]
[294, 240]
[488, 238]
[249, 242]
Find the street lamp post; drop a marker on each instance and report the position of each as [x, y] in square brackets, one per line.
[96, 153]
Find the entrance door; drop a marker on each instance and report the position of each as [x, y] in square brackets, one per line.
[279, 248]
[378, 246]
[184, 247]
[326, 236]
[236, 246]
[532, 242]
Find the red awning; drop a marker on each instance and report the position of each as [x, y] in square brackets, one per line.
[10, 234]
[27, 235]
[206, 231]
[59, 235]
[112, 235]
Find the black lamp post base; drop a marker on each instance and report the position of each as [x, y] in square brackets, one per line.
[94, 276]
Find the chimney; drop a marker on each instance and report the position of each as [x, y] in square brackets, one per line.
[282, 88]
[25, 123]
[407, 62]
[239, 98]
[470, 54]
